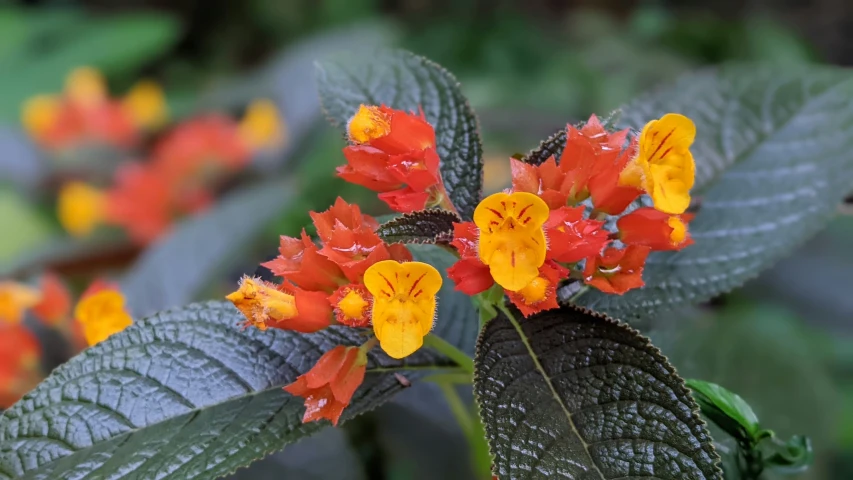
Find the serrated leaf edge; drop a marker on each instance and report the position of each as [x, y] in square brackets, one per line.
[694, 407]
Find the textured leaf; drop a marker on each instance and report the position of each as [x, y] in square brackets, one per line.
[572, 394]
[773, 162]
[408, 82]
[174, 271]
[427, 226]
[184, 394]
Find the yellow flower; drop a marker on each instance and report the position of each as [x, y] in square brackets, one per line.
[265, 305]
[403, 304]
[512, 241]
[262, 126]
[101, 315]
[15, 299]
[86, 87]
[146, 104]
[39, 114]
[368, 123]
[261, 303]
[80, 208]
[664, 167]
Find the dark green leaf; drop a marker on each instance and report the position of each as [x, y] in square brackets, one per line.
[772, 164]
[573, 394]
[726, 409]
[187, 393]
[427, 226]
[174, 271]
[408, 82]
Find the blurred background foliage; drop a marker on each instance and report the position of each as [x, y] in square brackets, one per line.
[784, 343]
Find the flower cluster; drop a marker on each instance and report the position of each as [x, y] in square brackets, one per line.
[98, 314]
[572, 217]
[394, 153]
[85, 116]
[177, 176]
[579, 217]
[353, 279]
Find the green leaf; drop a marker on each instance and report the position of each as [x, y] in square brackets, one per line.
[174, 271]
[573, 394]
[116, 44]
[408, 82]
[772, 164]
[25, 227]
[187, 393]
[791, 457]
[726, 409]
[427, 226]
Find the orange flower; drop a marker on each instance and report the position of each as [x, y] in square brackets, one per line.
[329, 386]
[350, 242]
[141, 201]
[83, 114]
[55, 304]
[470, 275]
[368, 167]
[19, 363]
[547, 181]
[571, 238]
[394, 153]
[299, 262]
[145, 103]
[617, 271]
[541, 293]
[395, 132]
[266, 305]
[349, 217]
[352, 305]
[201, 151]
[655, 229]
[15, 299]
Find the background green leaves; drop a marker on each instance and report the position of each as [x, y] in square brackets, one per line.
[408, 82]
[570, 393]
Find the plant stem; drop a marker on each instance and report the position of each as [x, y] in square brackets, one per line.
[465, 362]
[457, 407]
[579, 293]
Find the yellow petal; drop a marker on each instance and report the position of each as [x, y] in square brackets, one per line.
[146, 104]
[367, 124]
[669, 190]
[679, 230]
[403, 304]
[512, 242]
[80, 208]
[262, 126]
[15, 299]
[39, 114]
[668, 169]
[86, 87]
[102, 314]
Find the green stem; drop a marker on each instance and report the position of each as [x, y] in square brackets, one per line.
[457, 407]
[465, 362]
[452, 378]
[579, 293]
